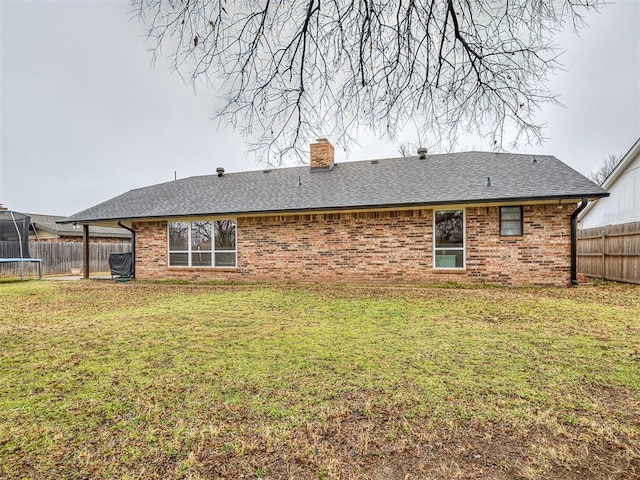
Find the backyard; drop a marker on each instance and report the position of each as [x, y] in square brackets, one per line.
[166, 380]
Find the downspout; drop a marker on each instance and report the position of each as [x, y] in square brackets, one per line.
[133, 245]
[574, 240]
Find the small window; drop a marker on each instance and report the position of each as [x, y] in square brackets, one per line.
[511, 221]
[449, 239]
[203, 243]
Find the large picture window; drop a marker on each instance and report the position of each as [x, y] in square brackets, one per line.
[202, 243]
[449, 239]
[510, 221]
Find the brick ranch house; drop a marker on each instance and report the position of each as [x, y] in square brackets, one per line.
[472, 217]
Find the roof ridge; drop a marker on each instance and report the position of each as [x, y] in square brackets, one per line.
[366, 160]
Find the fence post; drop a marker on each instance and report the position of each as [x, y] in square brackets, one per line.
[604, 254]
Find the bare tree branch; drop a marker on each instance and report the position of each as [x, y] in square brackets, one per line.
[290, 71]
[607, 166]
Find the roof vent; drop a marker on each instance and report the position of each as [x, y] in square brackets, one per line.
[266, 170]
[488, 182]
[299, 184]
[422, 153]
[534, 160]
[220, 171]
[374, 162]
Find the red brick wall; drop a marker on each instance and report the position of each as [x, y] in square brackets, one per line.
[151, 250]
[377, 247]
[541, 257]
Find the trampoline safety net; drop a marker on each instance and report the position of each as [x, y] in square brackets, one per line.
[14, 234]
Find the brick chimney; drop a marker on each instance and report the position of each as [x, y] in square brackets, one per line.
[321, 155]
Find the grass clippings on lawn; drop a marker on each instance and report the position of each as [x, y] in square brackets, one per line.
[144, 380]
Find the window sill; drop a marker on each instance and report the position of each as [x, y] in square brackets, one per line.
[510, 238]
[197, 269]
[450, 270]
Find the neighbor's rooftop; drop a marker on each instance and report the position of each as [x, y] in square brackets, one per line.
[49, 224]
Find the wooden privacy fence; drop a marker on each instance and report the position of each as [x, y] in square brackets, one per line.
[60, 257]
[611, 252]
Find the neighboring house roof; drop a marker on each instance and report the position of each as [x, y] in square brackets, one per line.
[48, 224]
[624, 166]
[441, 179]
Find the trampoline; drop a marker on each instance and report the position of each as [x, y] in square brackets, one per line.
[14, 240]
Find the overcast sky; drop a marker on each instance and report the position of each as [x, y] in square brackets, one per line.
[85, 118]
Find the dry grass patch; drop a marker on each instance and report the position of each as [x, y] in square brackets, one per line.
[144, 380]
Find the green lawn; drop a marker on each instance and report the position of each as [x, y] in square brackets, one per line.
[158, 380]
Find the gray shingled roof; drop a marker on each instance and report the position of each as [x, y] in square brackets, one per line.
[437, 180]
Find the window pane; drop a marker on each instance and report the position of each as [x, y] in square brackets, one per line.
[510, 221]
[200, 259]
[225, 259]
[510, 213]
[511, 227]
[178, 259]
[178, 235]
[449, 229]
[449, 259]
[225, 235]
[201, 235]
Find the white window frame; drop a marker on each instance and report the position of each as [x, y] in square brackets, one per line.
[212, 251]
[463, 249]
